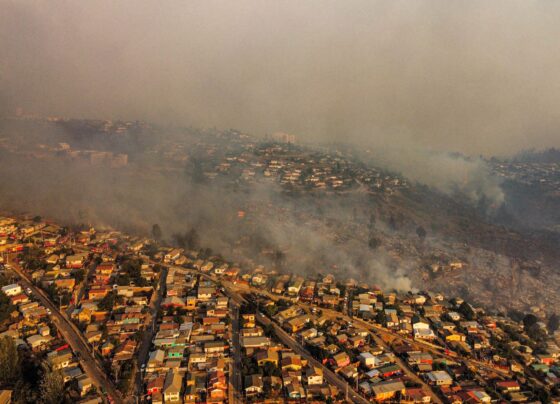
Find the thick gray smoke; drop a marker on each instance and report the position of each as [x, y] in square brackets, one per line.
[133, 200]
[468, 76]
[407, 80]
[449, 173]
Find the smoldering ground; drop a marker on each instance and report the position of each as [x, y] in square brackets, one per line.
[403, 77]
[133, 200]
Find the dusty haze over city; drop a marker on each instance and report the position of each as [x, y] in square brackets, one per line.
[476, 77]
[263, 201]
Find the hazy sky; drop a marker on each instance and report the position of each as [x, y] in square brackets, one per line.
[473, 76]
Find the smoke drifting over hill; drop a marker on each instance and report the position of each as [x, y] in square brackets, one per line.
[471, 76]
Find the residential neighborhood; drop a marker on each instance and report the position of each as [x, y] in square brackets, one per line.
[173, 325]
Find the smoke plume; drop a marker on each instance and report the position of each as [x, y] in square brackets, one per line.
[475, 77]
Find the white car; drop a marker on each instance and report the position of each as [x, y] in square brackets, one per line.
[29, 291]
[49, 311]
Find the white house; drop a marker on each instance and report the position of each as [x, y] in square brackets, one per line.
[314, 376]
[422, 330]
[12, 290]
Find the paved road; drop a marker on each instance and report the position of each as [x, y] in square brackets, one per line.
[83, 286]
[286, 339]
[406, 369]
[331, 377]
[74, 339]
[435, 350]
[339, 315]
[149, 331]
[290, 342]
[236, 392]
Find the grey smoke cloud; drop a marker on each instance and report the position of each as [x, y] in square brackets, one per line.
[472, 76]
[133, 200]
[449, 173]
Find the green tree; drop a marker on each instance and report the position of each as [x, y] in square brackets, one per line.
[6, 307]
[373, 242]
[530, 320]
[107, 302]
[9, 361]
[52, 386]
[553, 322]
[466, 310]
[421, 232]
[156, 232]
[79, 275]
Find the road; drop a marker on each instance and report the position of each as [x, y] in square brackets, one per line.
[285, 338]
[291, 343]
[149, 331]
[406, 369]
[78, 296]
[434, 350]
[331, 377]
[236, 387]
[339, 315]
[74, 338]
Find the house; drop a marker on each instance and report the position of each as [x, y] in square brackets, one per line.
[172, 387]
[157, 398]
[125, 351]
[98, 293]
[19, 299]
[297, 323]
[12, 290]
[368, 360]
[205, 294]
[84, 384]
[417, 358]
[309, 333]
[248, 320]
[175, 353]
[389, 370]
[254, 342]
[190, 303]
[191, 395]
[155, 385]
[65, 283]
[422, 330]
[342, 359]
[295, 286]
[172, 301]
[105, 268]
[214, 347]
[292, 362]
[172, 255]
[416, 395]
[84, 315]
[60, 359]
[267, 356]
[474, 396]
[38, 342]
[314, 376]
[71, 373]
[508, 386]
[279, 287]
[253, 385]
[76, 261]
[387, 390]
[295, 391]
[107, 348]
[439, 378]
